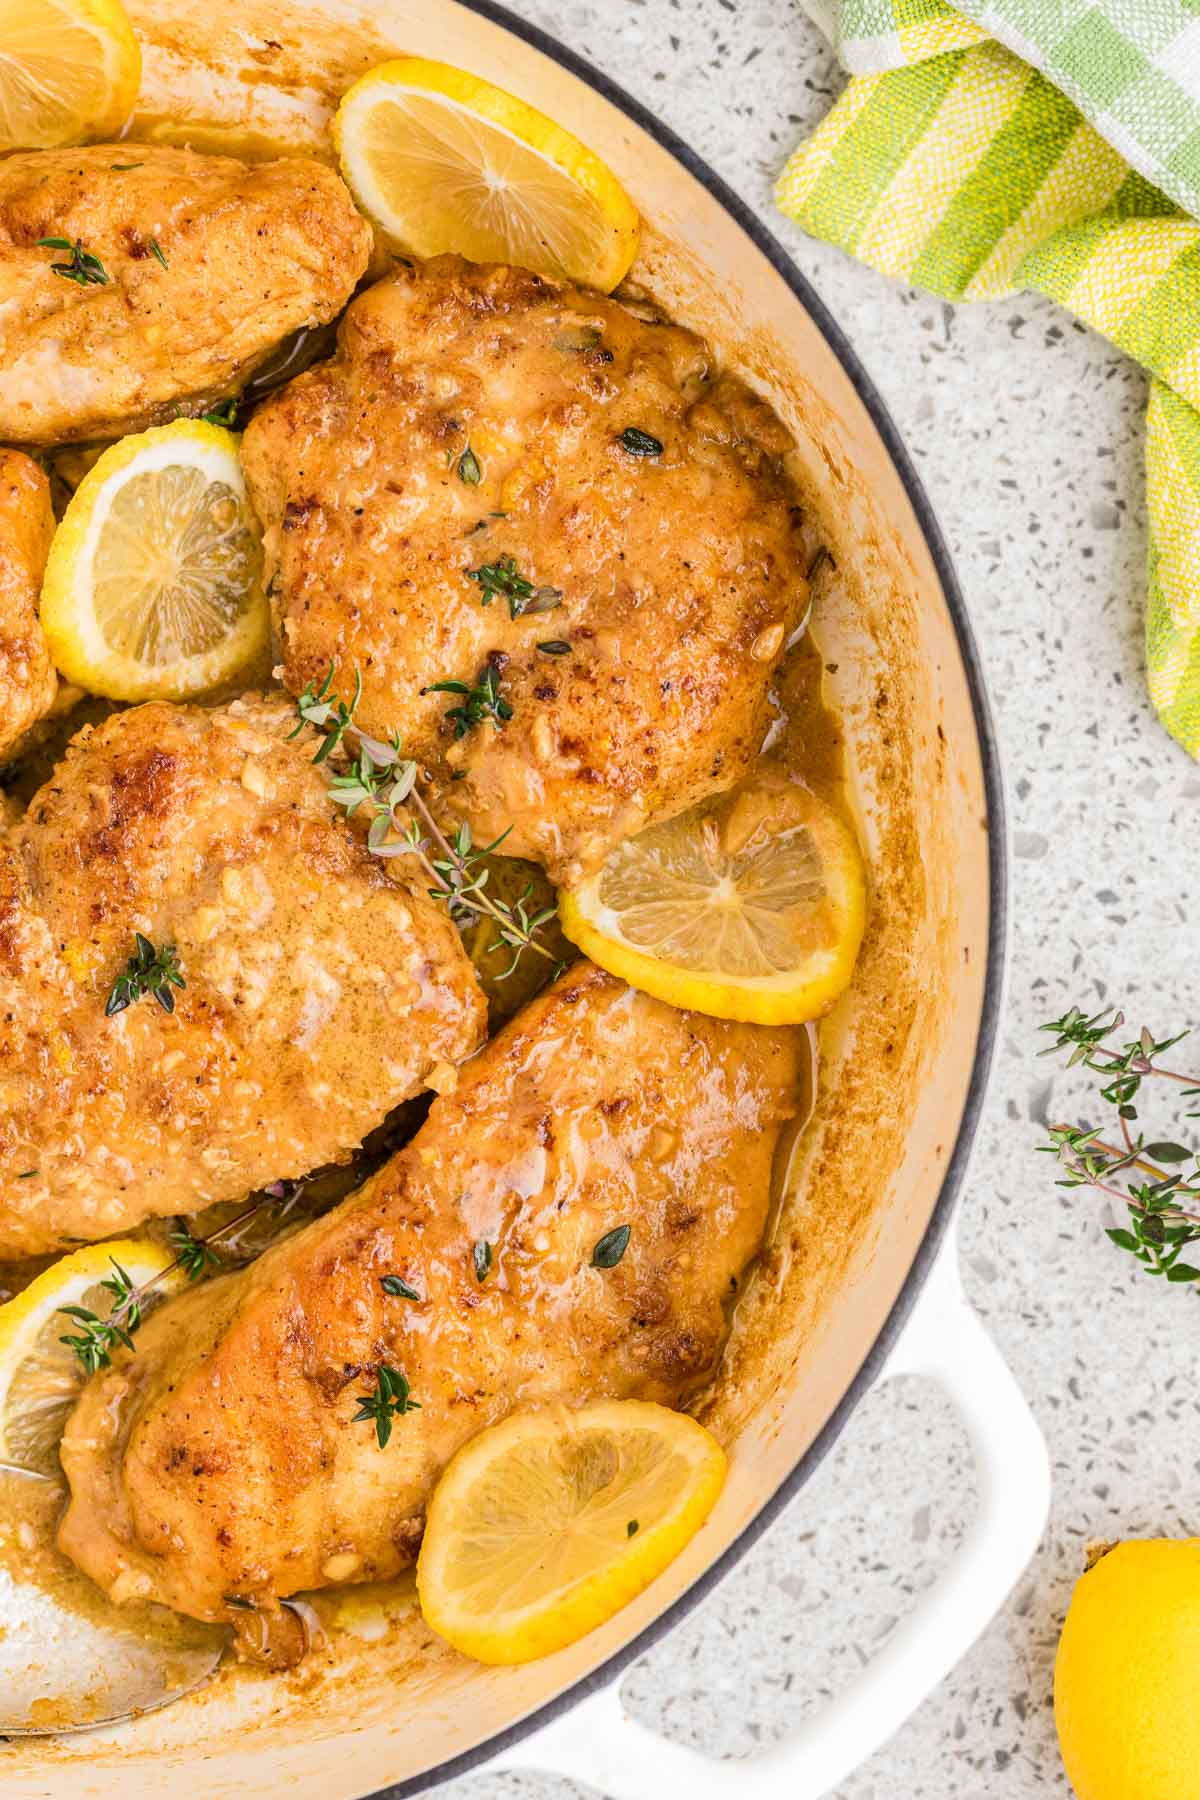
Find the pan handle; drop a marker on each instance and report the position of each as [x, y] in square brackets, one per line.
[599, 1744]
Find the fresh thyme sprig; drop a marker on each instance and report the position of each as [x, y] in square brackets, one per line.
[523, 596]
[1163, 1203]
[148, 971]
[463, 874]
[97, 1338]
[480, 700]
[391, 1399]
[85, 269]
[381, 780]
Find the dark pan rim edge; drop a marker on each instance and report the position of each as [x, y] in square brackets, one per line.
[956, 1168]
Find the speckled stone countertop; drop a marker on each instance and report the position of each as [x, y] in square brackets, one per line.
[1027, 432]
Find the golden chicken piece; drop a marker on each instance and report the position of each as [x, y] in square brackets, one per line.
[181, 274]
[225, 1456]
[27, 679]
[544, 496]
[322, 987]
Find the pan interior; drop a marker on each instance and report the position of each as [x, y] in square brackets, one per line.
[386, 1701]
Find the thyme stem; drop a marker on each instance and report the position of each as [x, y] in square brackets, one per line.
[382, 778]
[97, 1338]
[1158, 1200]
[1123, 1194]
[483, 903]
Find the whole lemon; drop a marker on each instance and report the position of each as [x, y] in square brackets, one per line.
[1127, 1679]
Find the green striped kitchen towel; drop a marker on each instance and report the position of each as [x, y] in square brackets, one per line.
[963, 167]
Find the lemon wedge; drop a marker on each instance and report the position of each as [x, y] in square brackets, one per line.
[69, 72]
[445, 162]
[545, 1525]
[751, 908]
[40, 1377]
[153, 589]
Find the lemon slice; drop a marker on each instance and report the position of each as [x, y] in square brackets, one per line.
[752, 908]
[546, 1525]
[40, 1377]
[153, 589]
[445, 162]
[69, 71]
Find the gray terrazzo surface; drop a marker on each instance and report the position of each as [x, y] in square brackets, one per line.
[1027, 432]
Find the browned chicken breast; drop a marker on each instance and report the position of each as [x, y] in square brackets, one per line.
[198, 266]
[224, 1457]
[321, 987]
[27, 678]
[535, 492]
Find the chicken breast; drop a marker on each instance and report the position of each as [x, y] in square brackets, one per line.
[322, 988]
[198, 266]
[224, 1457]
[487, 444]
[27, 679]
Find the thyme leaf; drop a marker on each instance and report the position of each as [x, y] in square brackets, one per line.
[469, 470]
[611, 1247]
[542, 600]
[639, 443]
[393, 1284]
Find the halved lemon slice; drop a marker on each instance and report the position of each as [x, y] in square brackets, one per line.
[153, 589]
[547, 1524]
[69, 72]
[40, 1377]
[751, 908]
[445, 162]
